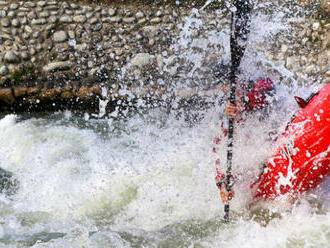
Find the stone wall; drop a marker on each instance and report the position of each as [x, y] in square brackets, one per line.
[63, 50]
[58, 55]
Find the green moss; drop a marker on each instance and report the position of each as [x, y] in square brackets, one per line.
[23, 74]
[53, 55]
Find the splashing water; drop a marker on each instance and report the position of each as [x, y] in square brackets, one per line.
[148, 180]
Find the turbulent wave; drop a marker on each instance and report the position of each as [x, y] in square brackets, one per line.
[147, 181]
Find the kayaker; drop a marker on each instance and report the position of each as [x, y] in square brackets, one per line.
[253, 97]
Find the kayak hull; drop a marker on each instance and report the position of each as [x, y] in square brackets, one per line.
[302, 160]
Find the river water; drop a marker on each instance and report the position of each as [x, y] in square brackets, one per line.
[147, 180]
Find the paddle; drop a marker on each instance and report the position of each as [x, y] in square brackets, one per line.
[238, 37]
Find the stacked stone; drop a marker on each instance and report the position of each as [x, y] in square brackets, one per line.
[65, 43]
[303, 50]
[53, 50]
[67, 36]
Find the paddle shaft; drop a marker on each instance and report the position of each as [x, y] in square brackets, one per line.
[238, 37]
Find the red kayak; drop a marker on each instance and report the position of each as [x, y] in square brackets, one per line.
[302, 159]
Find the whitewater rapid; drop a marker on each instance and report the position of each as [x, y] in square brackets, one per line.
[145, 181]
[148, 180]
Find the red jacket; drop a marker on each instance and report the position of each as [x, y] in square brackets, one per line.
[256, 97]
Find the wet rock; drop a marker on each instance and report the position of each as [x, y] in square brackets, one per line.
[56, 66]
[11, 57]
[104, 12]
[6, 96]
[115, 19]
[94, 71]
[155, 20]
[98, 9]
[25, 55]
[284, 48]
[65, 5]
[60, 36]
[105, 20]
[4, 70]
[11, 14]
[71, 34]
[32, 51]
[74, 6]
[151, 42]
[97, 27]
[141, 59]
[66, 19]
[32, 15]
[41, 3]
[139, 15]
[44, 14]
[40, 21]
[160, 61]
[129, 20]
[14, 6]
[33, 90]
[290, 62]
[20, 91]
[47, 45]
[33, 60]
[119, 51]
[30, 4]
[3, 13]
[22, 11]
[36, 35]
[115, 38]
[14, 32]
[310, 69]
[28, 29]
[150, 30]
[23, 21]
[15, 23]
[49, 94]
[53, 19]
[142, 21]
[112, 12]
[69, 12]
[80, 19]
[93, 20]
[89, 15]
[51, 8]
[5, 22]
[167, 19]
[316, 26]
[6, 37]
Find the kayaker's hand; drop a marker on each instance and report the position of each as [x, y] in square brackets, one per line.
[233, 110]
[225, 195]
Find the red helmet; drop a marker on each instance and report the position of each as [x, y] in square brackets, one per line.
[264, 84]
[257, 96]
